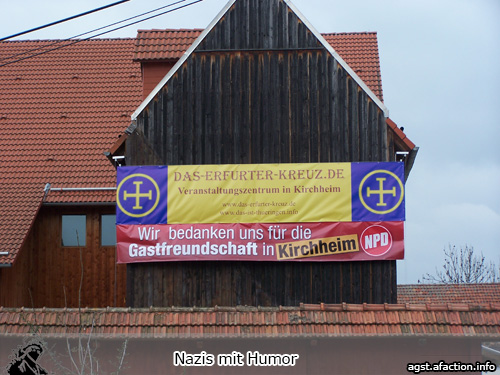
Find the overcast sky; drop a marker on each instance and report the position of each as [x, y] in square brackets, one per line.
[440, 63]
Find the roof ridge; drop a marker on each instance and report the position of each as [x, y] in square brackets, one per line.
[169, 29]
[455, 306]
[451, 284]
[350, 33]
[183, 30]
[320, 320]
[67, 40]
[347, 307]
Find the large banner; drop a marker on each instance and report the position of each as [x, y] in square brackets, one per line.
[261, 212]
[312, 242]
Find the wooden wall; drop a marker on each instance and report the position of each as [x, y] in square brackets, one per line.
[260, 88]
[262, 107]
[259, 283]
[47, 274]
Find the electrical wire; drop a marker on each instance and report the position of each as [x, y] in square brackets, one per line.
[64, 20]
[91, 31]
[106, 32]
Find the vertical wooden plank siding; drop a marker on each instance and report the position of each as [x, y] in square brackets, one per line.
[260, 88]
[46, 274]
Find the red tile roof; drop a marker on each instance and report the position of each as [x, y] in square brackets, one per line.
[446, 320]
[400, 134]
[358, 50]
[166, 44]
[59, 112]
[449, 293]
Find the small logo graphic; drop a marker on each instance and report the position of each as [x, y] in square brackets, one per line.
[141, 195]
[381, 192]
[25, 360]
[138, 195]
[376, 240]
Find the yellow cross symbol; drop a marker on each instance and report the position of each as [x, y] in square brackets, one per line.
[381, 192]
[138, 195]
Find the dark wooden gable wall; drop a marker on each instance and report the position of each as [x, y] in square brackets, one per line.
[259, 88]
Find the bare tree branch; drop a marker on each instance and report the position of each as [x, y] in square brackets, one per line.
[463, 266]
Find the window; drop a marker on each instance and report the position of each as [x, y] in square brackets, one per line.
[74, 230]
[108, 230]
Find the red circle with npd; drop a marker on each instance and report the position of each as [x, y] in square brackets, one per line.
[376, 240]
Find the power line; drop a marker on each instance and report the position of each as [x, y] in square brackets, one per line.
[64, 20]
[91, 31]
[106, 32]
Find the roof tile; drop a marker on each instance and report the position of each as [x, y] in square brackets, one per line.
[450, 293]
[76, 97]
[436, 319]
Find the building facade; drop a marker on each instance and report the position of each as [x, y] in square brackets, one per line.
[260, 85]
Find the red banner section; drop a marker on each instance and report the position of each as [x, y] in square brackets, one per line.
[311, 242]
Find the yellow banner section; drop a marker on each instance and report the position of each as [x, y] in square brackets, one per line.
[317, 247]
[253, 193]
